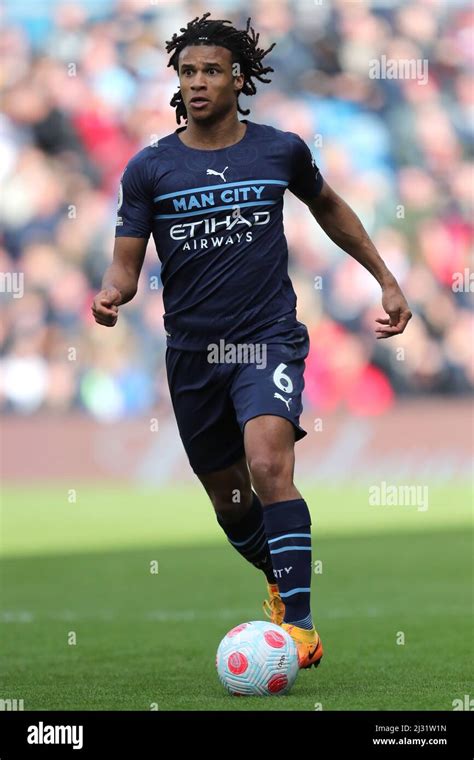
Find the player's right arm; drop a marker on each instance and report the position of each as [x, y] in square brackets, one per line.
[134, 226]
[120, 281]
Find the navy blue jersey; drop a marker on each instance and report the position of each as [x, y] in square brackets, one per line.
[216, 219]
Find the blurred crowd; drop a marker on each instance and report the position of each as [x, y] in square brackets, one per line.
[85, 85]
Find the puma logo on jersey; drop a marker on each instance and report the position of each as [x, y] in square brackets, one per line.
[218, 174]
[287, 401]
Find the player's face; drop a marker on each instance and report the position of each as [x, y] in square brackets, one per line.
[207, 81]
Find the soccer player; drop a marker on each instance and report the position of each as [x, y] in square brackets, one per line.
[211, 194]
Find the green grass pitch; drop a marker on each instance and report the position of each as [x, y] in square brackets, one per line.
[78, 564]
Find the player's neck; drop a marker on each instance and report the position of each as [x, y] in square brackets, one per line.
[221, 134]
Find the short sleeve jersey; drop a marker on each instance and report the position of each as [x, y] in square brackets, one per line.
[216, 217]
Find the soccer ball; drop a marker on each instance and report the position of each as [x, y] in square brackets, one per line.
[257, 658]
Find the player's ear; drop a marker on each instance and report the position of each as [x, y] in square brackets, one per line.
[238, 77]
[238, 88]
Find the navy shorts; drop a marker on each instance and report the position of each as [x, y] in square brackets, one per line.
[214, 395]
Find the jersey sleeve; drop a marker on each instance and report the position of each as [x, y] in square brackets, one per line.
[135, 202]
[306, 181]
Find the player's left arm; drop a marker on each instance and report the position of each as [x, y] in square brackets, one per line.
[345, 229]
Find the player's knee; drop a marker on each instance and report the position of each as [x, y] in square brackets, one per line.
[230, 495]
[229, 513]
[231, 505]
[271, 468]
[232, 500]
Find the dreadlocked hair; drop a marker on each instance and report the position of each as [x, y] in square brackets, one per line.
[242, 44]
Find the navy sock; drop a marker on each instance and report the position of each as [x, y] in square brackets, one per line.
[248, 537]
[288, 529]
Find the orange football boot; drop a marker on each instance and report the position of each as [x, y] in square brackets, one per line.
[308, 644]
[274, 607]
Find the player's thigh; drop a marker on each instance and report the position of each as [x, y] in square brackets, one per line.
[273, 388]
[207, 424]
[269, 443]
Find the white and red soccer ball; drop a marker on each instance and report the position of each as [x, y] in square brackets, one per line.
[257, 659]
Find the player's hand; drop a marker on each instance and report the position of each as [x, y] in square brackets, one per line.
[105, 306]
[399, 314]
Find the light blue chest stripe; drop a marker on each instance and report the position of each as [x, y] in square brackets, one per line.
[220, 187]
[230, 207]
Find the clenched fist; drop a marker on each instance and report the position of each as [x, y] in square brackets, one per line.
[105, 306]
